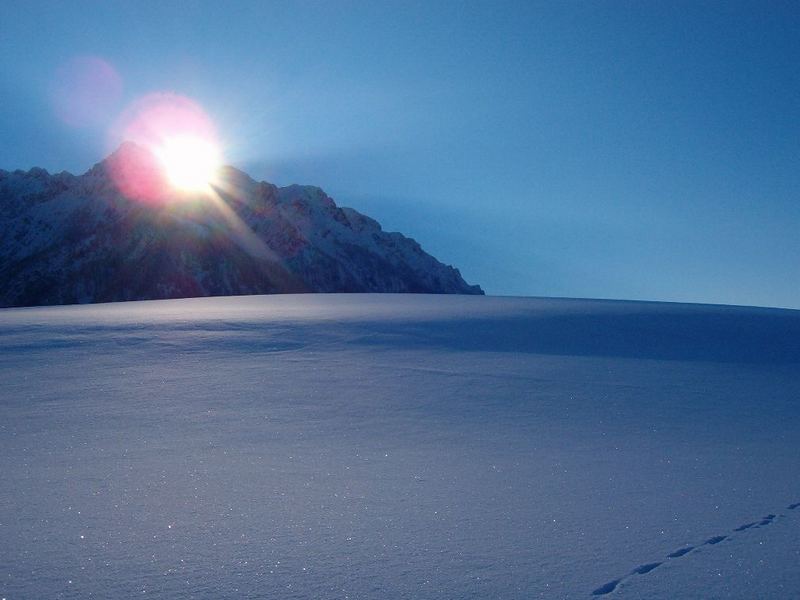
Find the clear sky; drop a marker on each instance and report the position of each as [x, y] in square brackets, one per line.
[644, 150]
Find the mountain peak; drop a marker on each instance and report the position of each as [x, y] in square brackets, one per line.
[127, 149]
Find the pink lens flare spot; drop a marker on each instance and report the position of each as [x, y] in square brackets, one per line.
[158, 117]
[138, 174]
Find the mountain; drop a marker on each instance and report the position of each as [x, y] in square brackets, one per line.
[67, 239]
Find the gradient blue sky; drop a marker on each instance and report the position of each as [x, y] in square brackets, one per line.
[645, 150]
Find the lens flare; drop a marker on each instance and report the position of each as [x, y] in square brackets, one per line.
[181, 137]
[170, 150]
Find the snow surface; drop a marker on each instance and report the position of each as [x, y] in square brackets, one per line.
[386, 446]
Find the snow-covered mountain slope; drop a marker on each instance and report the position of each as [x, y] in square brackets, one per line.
[68, 239]
[399, 446]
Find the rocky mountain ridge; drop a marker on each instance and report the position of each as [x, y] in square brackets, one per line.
[68, 239]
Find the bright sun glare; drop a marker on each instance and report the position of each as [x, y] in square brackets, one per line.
[190, 163]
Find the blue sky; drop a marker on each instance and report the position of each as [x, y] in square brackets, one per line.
[645, 150]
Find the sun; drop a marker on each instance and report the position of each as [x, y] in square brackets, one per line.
[184, 156]
[190, 163]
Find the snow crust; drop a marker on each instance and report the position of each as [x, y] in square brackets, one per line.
[399, 446]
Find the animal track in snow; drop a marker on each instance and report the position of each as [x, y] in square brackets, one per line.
[643, 569]
[607, 588]
[715, 540]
